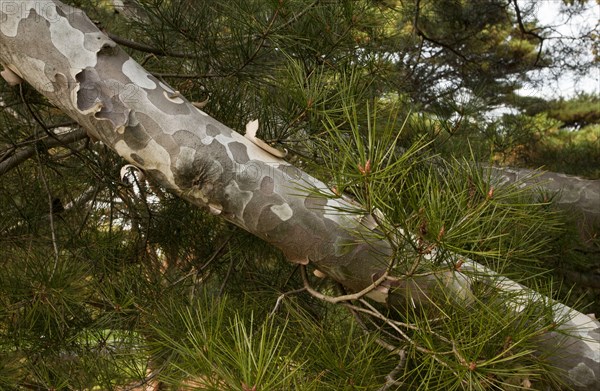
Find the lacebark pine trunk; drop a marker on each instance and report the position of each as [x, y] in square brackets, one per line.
[62, 54]
[576, 195]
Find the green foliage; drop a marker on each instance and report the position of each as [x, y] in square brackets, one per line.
[573, 152]
[478, 347]
[434, 212]
[557, 135]
[213, 344]
[452, 204]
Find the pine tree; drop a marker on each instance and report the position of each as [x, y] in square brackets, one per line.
[111, 281]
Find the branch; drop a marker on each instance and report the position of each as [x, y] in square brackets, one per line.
[150, 49]
[528, 32]
[422, 34]
[337, 299]
[574, 193]
[44, 180]
[23, 154]
[391, 378]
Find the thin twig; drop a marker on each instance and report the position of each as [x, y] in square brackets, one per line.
[528, 32]
[187, 76]
[391, 378]
[424, 36]
[143, 382]
[229, 269]
[263, 40]
[150, 49]
[44, 182]
[81, 200]
[361, 323]
[282, 296]
[396, 326]
[212, 258]
[337, 299]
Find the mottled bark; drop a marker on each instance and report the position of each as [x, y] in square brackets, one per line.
[59, 51]
[577, 195]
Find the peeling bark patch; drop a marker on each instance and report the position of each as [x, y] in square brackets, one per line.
[135, 137]
[249, 175]
[291, 173]
[173, 96]
[168, 144]
[77, 18]
[97, 42]
[88, 95]
[185, 137]
[80, 48]
[137, 158]
[212, 130]
[234, 199]
[199, 173]
[333, 210]
[115, 111]
[102, 98]
[330, 226]
[3, 20]
[214, 151]
[10, 25]
[315, 203]
[582, 375]
[284, 212]
[11, 77]
[239, 152]
[267, 185]
[60, 82]
[137, 74]
[312, 222]
[295, 253]
[26, 27]
[171, 106]
[61, 12]
[257, 213]
[152, 128]
[343, 246]
[107, 60]
[268, 220]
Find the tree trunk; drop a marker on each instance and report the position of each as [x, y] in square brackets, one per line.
[60, 52]
[577, 195]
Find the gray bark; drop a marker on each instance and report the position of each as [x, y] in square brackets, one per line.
[576, 195]
[59, 51]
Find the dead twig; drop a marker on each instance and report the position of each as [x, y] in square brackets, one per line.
[337, 299]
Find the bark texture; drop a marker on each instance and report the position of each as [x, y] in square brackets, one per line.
[577, 195]
[59, 51]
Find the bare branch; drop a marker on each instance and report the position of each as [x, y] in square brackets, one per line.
[337, 299]
[528, 32]
[25, 153]
[150, 49]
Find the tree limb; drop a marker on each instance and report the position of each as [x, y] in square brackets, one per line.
[23, 154]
